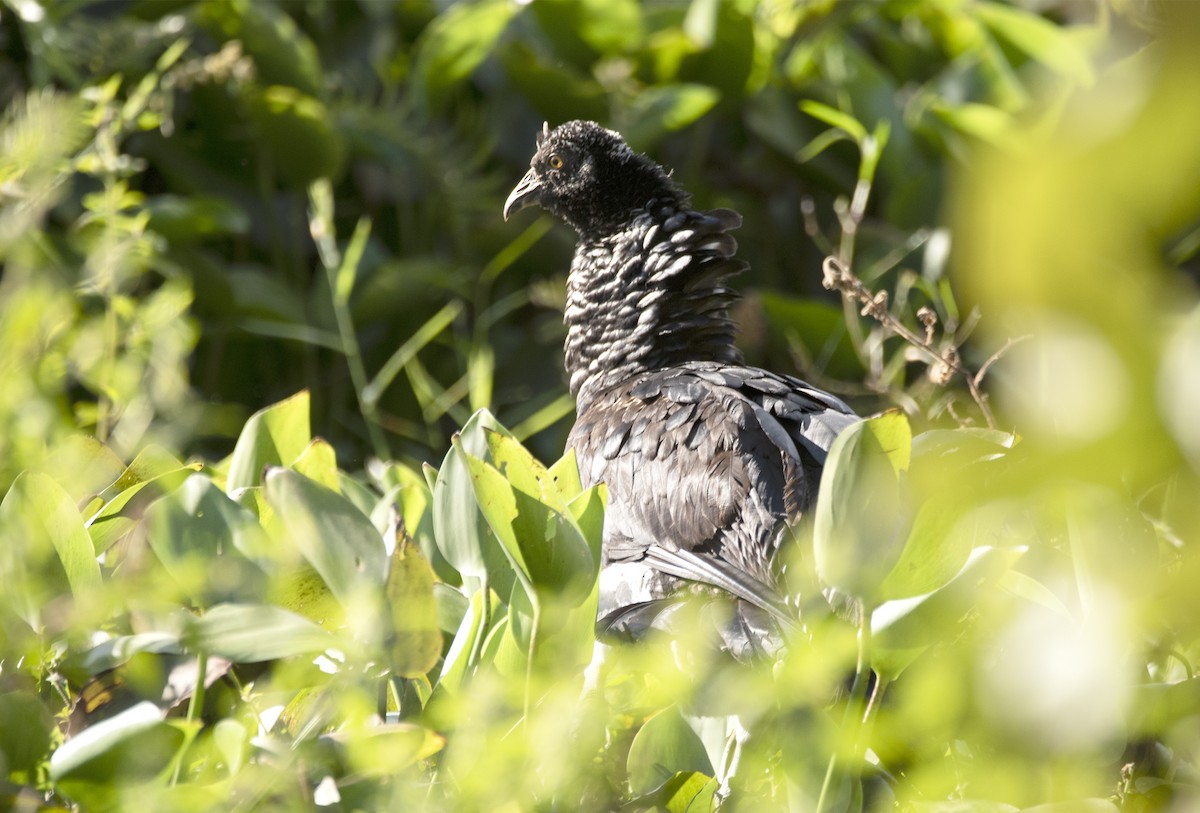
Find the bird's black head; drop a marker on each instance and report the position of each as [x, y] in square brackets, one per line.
[589, 177]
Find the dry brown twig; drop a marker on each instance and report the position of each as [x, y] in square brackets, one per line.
[943, 358]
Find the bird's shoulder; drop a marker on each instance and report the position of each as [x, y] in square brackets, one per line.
[706, 406]
[686, 451]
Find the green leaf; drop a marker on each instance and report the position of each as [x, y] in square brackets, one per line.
[274, 436]
[664, 746]
[206, 542]
[334, 537]
[835, 118]
[688, 792]
[298, 133]
[135, 744]
[565, 473]
[661, 109]
[417, 642]
[119, 515]
[525, 511]
[281, 51]
[250, 633]
[456, 42]
[860, 515]
[37, 516]
[902, 628]
[1040, 39]
[934, 552]
[461, 532]
[318, 462]
[188, 219]
[385, 749]
[25, 735]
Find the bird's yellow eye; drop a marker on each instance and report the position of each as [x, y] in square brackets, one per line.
[556, 161]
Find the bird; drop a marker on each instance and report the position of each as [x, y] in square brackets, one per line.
[709, 463]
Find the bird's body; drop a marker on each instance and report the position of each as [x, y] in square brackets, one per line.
[707, 461]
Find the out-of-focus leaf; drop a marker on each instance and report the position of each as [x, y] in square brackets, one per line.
[835, 118]
[281, 52]
[135, 744]
[417, 644]
[188, 219]
[457, 41]
[119, 515]
[206, 542]
[987, 123]
[1040, 39]
[458, 657]
[902, 628]
[687, 792]
[335, 538]
[860, 517]
[249, 633]
[933, 552]
[664, 746]
[298, 133]
[661, 109]
[554, 90]
[383, 750]
[37, 517]
[274, 436]
[25, 735]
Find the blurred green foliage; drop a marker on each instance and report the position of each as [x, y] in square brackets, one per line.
[255, 279]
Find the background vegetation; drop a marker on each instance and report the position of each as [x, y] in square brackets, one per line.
[255, 280]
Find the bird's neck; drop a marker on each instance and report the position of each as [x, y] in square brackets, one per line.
[649, 296]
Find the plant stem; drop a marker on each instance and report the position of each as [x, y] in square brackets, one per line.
[852, 720]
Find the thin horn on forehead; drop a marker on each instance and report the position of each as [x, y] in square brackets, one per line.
[544, 134]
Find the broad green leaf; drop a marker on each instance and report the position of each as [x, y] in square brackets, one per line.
[250, 633]
[385, 749]
[417, 642]
[135, 744]
[456, 42]
[452, 607]
[334, 537]
[860, 520]
[151, 462]
[664, 746]
[119, 515]
[318, 462]
[934, 552]
[38, 508]
[835, 118]
[588, 510]
[232, 741]
[25, 734]
[543, 543]
[83, 466]
[903, 627]
[461, 532]
[207, 542]
[475, 623]
[1016, 583]
[688, 792]
[274, 436]
[565, 473]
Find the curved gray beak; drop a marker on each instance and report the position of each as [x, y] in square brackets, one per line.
[526, 193]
